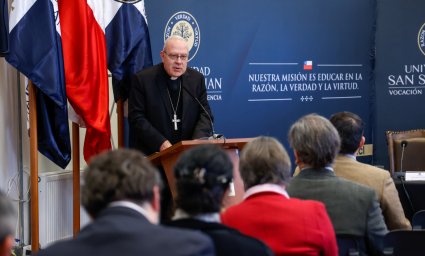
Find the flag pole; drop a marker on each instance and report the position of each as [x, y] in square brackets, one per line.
[76, 178]
[120, 123]
[33, 168]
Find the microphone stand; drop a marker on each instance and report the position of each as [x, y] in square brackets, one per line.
[403, 147]
[402, 177]
[214, 136]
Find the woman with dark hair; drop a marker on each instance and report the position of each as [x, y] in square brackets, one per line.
[203, 175]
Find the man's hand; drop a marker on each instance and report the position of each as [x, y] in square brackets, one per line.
[165, 145]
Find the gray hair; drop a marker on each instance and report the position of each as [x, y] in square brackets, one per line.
[264, 160]
[7, 217]
[174, 37]
[315, 140]
[116, 175]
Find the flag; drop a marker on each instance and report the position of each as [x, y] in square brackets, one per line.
[127, 42]
[4, 28]
[128, 47]
[35, 50]
[308, 65]
[84, 50]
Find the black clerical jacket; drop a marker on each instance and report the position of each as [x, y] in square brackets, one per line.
[151, 113]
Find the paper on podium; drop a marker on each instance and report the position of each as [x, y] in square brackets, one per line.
[415, 176]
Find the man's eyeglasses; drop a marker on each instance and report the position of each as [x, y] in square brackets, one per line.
[176, 56]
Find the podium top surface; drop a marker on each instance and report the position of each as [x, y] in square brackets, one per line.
[186, 144]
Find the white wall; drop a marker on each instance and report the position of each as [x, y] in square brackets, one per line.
[9, 120]
[9, 132]
[9, 139]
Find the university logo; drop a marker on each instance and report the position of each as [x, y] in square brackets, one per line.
[184, 24]
[128, 1]
[421, 39]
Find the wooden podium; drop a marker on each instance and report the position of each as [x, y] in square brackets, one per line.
[168, 158]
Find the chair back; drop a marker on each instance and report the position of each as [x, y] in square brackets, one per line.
[414, 150]
[418, 220]
[404, 242]
[350, 245]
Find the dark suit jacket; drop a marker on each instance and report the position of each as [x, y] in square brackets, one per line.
[227, 241]
[124, 231]
[150, 110]
[353, 208]
[379, 180]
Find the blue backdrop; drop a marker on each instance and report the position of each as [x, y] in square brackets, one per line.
[400, 70]
[269, 62]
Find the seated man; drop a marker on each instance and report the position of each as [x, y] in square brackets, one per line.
[121, 193]
[7, 225]
[353, 208]
[350, 129]
[288, 226]
[203, 175]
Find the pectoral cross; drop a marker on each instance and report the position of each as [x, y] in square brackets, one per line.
[175, 121]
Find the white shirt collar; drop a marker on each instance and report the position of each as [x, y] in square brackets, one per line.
[280, 189]
[329, 168]
[349, 156]
[207, 217]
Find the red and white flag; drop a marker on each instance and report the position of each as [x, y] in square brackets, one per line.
[84, 52]
[308, 65]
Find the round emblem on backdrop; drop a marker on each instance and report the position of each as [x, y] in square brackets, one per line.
[184, 24]
[128, 1]
[421, 39]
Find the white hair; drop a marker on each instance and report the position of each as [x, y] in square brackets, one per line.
[175, 37]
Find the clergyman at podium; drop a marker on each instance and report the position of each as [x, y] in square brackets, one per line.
[168, 102]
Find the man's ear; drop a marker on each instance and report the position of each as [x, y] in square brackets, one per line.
[161, 54]
[297, 161]
[362, 142]
[156, 205]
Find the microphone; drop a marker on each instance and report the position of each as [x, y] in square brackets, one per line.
[403, 147]
[402, 177]
[400, 174]
[214, 136]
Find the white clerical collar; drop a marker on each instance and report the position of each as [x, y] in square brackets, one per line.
[133, 206]
[266, 188]
[207, 217]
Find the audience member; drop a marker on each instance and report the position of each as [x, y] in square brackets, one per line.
[288, 226]
[353, 208]
[203, 175]
[7, 225]
[121, 193]
[350, 128]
